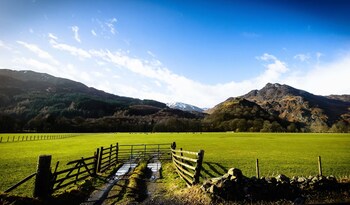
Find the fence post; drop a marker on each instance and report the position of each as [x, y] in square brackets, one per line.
[110, 155]
[319, 166]
[96, 161]
[144, 152]
[158, 153]
[43, 186]
[257, 169]
[131, 150]
[77, 176]
[198, 167]
[1, 140]
[100, 160]
[117, 152]
[13, 138]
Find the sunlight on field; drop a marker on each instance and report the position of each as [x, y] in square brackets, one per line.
[291, 154]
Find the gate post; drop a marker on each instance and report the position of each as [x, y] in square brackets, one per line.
[198, 167]
[43, 186]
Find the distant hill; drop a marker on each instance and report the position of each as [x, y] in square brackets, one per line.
[38, 102]
[184, 107]
[41, 102]
[317, 113]
[278, 107]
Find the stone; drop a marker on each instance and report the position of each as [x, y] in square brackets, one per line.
[282, 178]
[235, 172]
[301, 180]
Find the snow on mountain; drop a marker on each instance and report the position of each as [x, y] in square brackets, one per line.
[184, 107]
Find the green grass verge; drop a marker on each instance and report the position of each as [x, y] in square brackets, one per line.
[291, 154]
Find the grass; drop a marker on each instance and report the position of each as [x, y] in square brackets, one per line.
[290, 154]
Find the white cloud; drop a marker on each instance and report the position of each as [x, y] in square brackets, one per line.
[110, 24]
[32, 64]
[52, 36]
[93, 32]
[151, 54]
[3, 45]
[302, 57]
[318, 56]
[75, 30]
[71, 49]
[156, 81]
[328, 78]
[275, 69]
[38, 51]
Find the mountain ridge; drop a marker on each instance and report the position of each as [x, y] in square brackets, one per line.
[31, 101]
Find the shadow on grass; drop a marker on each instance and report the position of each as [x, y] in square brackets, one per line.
[212, 169]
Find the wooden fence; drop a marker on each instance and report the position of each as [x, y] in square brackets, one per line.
[188, 164]
[144, 151]
[47, 182]
[21, 138]
[107, 157]
[82, 169]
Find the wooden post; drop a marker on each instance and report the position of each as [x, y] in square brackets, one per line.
[100, 160]
[77, 176]
[257, 169]
[173, 145]
[96, 161]
[43, 186]
[158, 153]
[319, 166]
[131, 150]
[198, 167]
[13, 138]
[110, 155]
[117, 152]
[1, 140]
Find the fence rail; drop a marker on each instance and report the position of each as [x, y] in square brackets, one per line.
[144, 151]
[47, 182]
[22, 138]
[188, 164]
[82, 169]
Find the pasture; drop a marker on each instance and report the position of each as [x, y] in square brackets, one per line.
[287, 153]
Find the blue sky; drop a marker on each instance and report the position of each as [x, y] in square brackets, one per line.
[197, 52]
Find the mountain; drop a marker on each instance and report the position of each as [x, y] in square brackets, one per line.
[278, 107]
[184, 107]
[317, 113]
[41, 102]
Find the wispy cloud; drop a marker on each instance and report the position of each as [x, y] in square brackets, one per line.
[52, 36]
[110, 24]
[302, 57]
[93, 32]
[75, 30]
[3, 45]
[274, 69]
[318, 56]
[71, 49]
[33, 64]
[38, 51]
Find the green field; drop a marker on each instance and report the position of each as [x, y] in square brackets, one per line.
[291, 154]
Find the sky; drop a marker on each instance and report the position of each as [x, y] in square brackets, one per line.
[195, 52]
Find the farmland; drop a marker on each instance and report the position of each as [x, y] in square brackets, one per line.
[291, 154]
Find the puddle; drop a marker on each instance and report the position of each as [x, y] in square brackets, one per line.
[155, 167]
[125, 169]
